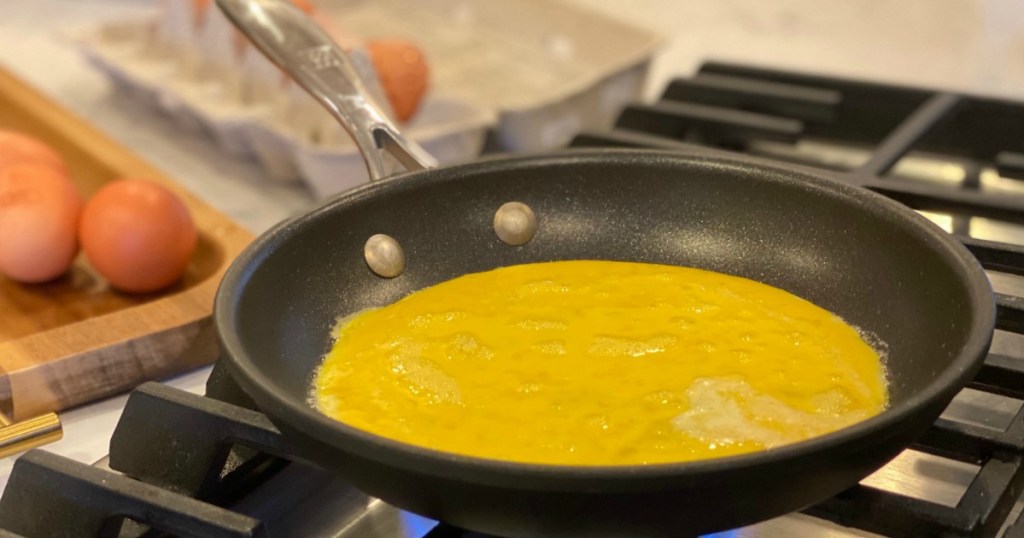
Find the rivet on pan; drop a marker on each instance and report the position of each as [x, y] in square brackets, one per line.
[515, 223]
[384, 255]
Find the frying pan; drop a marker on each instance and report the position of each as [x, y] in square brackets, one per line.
[872, 261]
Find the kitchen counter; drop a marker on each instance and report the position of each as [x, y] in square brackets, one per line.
[970, 46]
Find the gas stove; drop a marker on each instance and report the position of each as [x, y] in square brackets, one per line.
[184, 464]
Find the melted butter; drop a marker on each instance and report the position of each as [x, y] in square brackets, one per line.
[599, 363]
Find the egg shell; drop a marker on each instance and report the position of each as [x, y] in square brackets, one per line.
[138, 234]
[39, 213]
[18, 148]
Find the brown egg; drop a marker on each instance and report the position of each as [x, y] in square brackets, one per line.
[403, 72]
[17, 148]
[39, 212]
[138, 235]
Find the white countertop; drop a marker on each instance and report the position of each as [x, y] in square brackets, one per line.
[973, 46]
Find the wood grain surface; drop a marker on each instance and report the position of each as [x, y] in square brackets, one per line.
[74, 340]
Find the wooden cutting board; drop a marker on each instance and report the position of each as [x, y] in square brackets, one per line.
[75, 340]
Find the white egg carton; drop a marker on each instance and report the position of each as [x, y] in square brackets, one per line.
[532, 72]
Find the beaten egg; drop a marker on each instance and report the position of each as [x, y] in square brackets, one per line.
[599, 363]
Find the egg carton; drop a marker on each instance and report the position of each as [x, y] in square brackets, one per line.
[531, 73]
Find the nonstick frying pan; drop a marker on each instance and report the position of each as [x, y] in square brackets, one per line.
[872, 261]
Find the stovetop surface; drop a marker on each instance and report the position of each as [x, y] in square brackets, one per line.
[951, 157]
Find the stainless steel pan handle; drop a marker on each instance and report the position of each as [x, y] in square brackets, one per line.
[302, 49]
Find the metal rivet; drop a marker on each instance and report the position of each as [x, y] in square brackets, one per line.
[384, 256]
[515, 223]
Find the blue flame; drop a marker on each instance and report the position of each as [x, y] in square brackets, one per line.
[414, 526]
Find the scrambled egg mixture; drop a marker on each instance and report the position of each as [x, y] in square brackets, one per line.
[599, 363]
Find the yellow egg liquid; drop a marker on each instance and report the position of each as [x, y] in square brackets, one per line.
[599, 363]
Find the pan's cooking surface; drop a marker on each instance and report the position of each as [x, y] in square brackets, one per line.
[759, 224]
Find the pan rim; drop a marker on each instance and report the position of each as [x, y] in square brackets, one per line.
[306, 420]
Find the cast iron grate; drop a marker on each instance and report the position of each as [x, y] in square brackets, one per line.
[182, 459]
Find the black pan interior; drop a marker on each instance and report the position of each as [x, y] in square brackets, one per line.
[859, 260]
